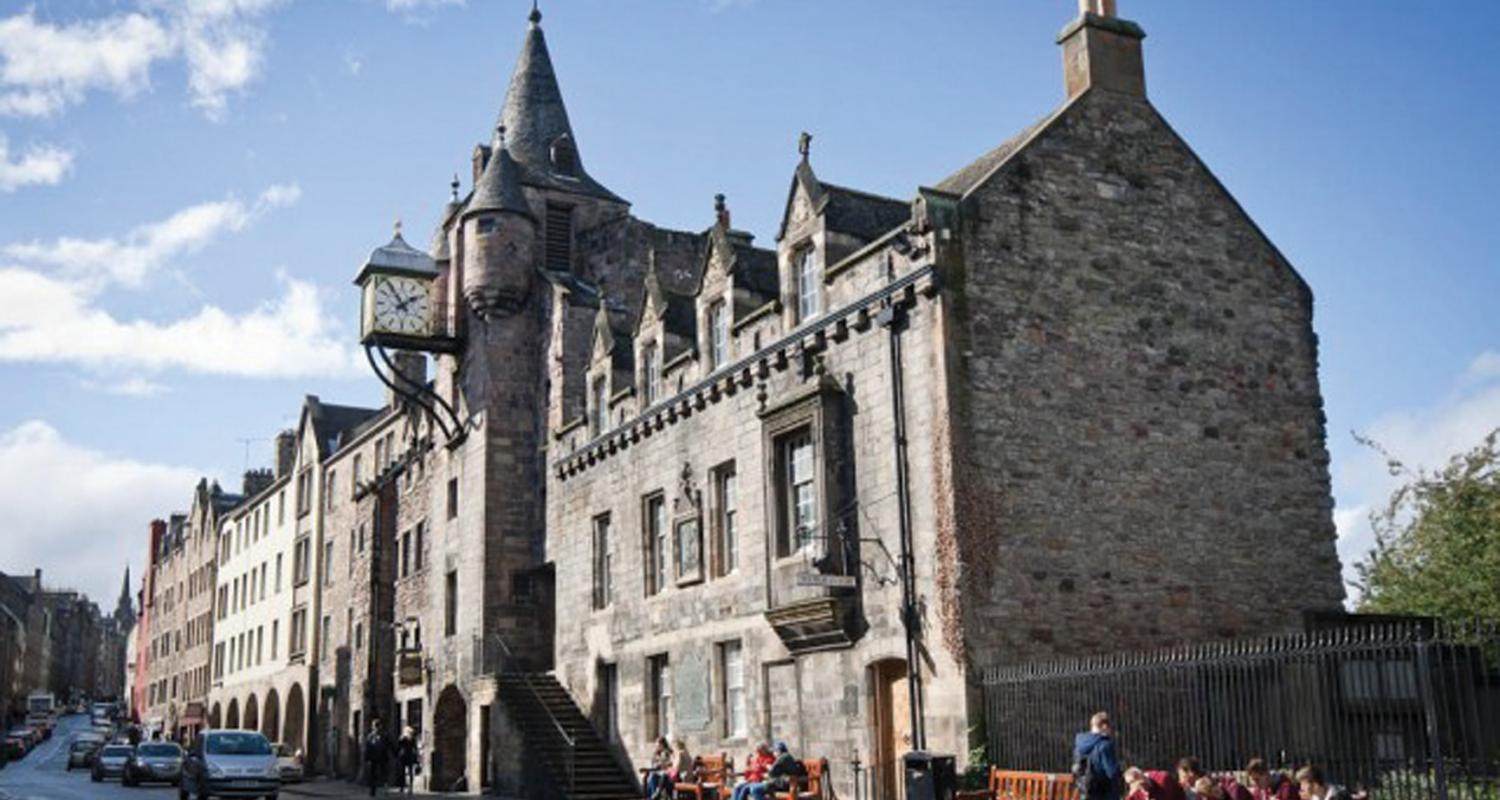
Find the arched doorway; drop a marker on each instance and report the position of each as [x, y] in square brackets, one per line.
[296, 712]
[450, 729]
[252, 713]
[270, 721]
[890, 724]
[214, 715]
[232, 717]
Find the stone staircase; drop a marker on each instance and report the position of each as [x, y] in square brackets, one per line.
[576, 759]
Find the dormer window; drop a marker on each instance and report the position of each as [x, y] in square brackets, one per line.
[806, 284]
[651, 373]
[564, 157]
[718, 335]
[485, 226]
[599, 408]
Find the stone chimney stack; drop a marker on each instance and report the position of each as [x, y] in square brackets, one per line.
[286, 453]
[1102, 51]
[412, 367]
[256, 480]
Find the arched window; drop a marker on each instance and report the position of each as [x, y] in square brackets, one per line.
[564, 156]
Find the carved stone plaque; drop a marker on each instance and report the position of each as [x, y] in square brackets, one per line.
[690, 688]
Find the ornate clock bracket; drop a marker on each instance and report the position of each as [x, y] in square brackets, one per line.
[420, 394]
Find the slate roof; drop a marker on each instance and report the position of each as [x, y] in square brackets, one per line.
[970, 175]
[535, 118]
[499, 186]
[397, 254]
[862, 214]
[332, 423]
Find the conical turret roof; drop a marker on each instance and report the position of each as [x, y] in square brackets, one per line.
[499, 186]
[539, 135]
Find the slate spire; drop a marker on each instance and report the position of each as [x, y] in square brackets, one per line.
[499, 186]
[538, 133]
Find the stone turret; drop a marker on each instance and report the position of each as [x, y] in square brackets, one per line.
[500, 235]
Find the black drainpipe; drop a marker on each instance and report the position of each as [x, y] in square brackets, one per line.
[893, 319]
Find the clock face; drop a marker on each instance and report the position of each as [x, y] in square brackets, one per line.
[402, 305]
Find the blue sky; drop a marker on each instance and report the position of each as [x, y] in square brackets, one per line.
[186, 190]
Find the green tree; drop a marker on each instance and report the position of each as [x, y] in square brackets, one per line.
[1437, 542]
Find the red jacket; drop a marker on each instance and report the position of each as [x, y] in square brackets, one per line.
[1167, 784]
[1282, 788]
[759, 765]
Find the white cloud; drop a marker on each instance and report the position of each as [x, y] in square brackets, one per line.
[46, 67]
[1423, 438]
[51, 321]
[39, 165]
[53, 314]
[136, 386]
[130, 259]
[79, 514]
[418, 5]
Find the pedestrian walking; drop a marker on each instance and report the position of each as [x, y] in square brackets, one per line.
[377, 755]
[409, 758]
[1096, 767]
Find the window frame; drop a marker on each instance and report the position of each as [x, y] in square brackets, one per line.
[724, 480]
[656, 533]
[602, 557]
[718, 334]
[807, 284]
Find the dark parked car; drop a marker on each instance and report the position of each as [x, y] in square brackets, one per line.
[230, 764]
[110, 762]
[15, 748]
[154, 761]
[81, 752]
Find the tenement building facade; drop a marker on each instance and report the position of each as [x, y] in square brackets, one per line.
[1028, 397]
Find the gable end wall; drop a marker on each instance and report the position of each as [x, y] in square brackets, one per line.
[1135, 370]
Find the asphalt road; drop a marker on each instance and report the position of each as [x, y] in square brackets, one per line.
[43, 773]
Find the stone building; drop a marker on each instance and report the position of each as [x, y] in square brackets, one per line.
[176, 627]
[272, 623]
[25, 644]
[694, 477]
[375, 539]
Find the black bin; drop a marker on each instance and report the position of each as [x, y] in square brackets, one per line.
[930, 776]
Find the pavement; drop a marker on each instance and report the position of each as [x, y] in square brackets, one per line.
[342, 790]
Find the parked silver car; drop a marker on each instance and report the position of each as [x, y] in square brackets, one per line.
[110, 761]
[225, 763]
[290, 763]
[154, 761]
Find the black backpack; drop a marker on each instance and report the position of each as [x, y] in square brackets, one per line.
[1090, 782]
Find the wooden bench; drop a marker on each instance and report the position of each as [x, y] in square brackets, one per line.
[1005, 784]
[713, 775]
[808, 787]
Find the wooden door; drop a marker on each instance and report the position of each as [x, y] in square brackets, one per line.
[891, 716]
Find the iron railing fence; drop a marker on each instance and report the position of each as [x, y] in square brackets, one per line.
[1404, 710]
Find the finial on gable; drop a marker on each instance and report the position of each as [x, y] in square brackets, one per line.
[804, 144]
[500, 137]
[453, 188]
[535, 16]
[1102, 8]
[397, 227]
[721, 211]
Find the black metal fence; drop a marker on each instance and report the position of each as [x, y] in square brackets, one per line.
[1402, 710]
